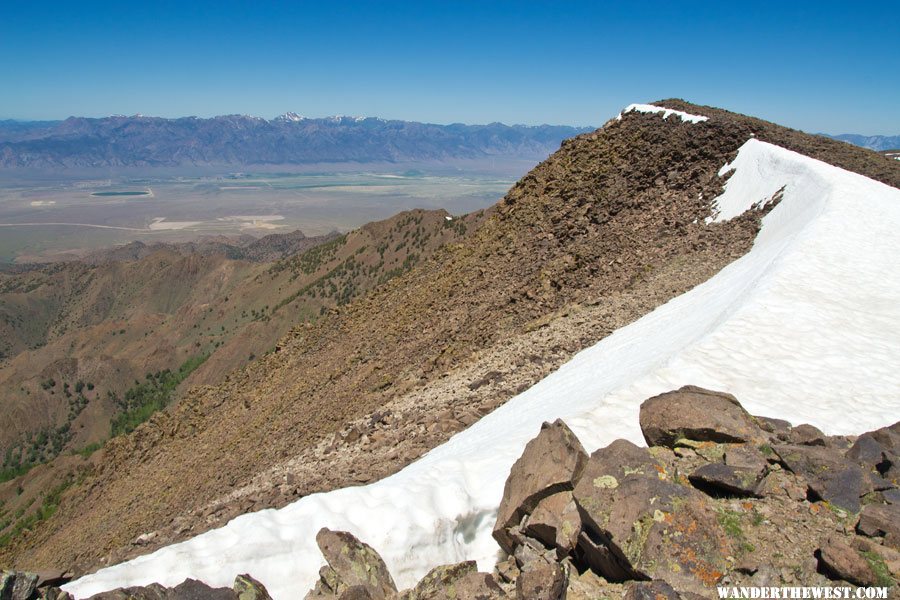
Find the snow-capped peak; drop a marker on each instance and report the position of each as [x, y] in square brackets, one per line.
[290, 117]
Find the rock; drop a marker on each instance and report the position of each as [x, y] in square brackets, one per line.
[550, 464]
[651, 590]
[555, 523]
[455, 582]
[696, 414]
[724, 479]
[542, 580]
[17, 585]
[779, 428]
[638, 525]
[439, 581]
[54, 593]
[248, 588]
[356, 592]
[507, 570]
[881, 520]
[890, 556]
[189, 589]
[807, 435]
[829, 475]
[879, 452]
[350, 563]
[587, 586]
[838, 560]
[745, 456]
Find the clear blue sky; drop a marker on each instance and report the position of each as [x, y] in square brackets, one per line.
[817, 66]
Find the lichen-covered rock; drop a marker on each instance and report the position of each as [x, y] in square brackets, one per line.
[881, 520]
[550, 464]
[728, 480]
[555, 523]
[17, 585]
[697, 414]
[542, 580]
[651, 590]
[248, 588]
[637, 524]
[828, 474]
[839, 560]
[350, 563]
[455, 582]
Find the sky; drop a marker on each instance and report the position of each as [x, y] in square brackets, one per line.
[817, 66]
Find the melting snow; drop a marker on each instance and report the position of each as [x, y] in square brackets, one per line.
[667, 112]
[806, 327]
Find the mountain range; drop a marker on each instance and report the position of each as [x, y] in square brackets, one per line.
[238, 140]
[872, 142]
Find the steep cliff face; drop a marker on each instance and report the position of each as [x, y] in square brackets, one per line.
[609, 227]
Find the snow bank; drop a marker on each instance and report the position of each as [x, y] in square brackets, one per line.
[667, 112]
[805, 327]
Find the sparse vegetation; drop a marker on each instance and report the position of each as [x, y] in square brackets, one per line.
[143, 399]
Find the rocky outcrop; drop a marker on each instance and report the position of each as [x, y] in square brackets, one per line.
[351, 564]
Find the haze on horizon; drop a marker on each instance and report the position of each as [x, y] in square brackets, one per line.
[816, 66]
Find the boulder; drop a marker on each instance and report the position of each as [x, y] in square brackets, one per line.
[697, 414]
[248, 588]
[189, 589]
[636, 524]
[807, 435]
[651, 590]
[451, 582]
[17, 585]
[556, 523]
[828, 474]
[779, 429]
[550, 464]
[54, 593]
[722, 479]
[542, 580]
[881, 520]
[839, 560]
[350, 563]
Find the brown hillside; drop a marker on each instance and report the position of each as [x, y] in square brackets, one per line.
[606, 229]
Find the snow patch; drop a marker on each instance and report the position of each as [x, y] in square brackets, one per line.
[667, 112]
[805, 327]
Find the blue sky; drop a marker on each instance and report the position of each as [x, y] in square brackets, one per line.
[816, 66]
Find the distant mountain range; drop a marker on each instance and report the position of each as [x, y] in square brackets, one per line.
[238, 140]
[872, 142]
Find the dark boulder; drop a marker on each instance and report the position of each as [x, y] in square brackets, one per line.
[550, 464]
[829, 475]
[881, 520]
[697, 414]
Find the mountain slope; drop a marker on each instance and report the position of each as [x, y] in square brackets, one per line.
[607, 229]
[236, 140]
[765, 327]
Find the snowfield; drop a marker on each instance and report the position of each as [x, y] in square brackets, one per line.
[805, 327]
[666, 112]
